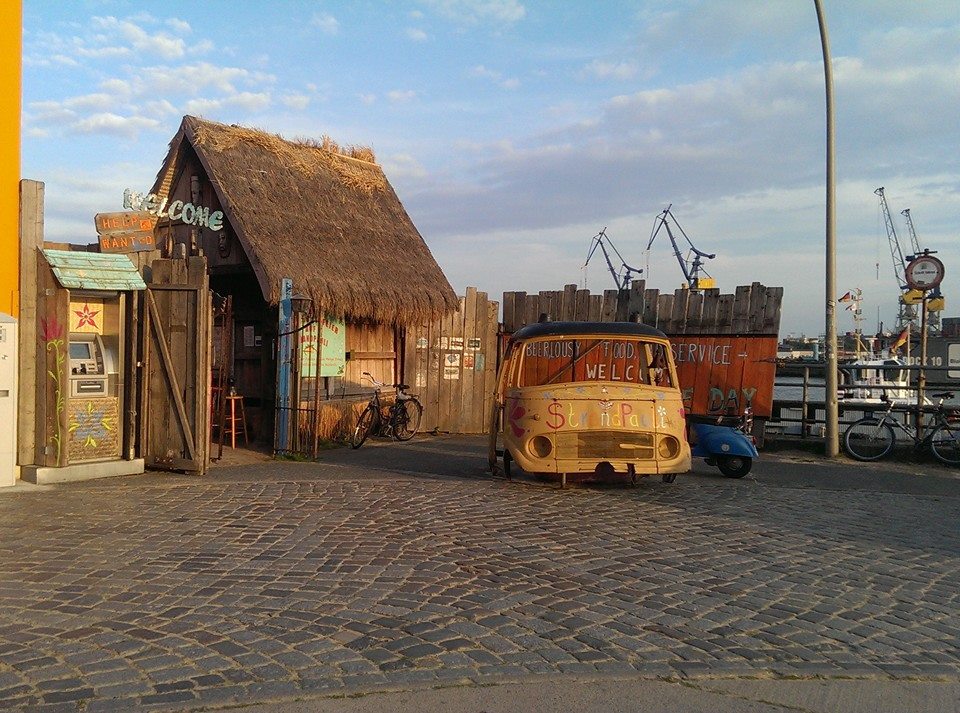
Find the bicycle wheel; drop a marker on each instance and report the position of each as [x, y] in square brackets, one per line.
[868, 439]
[945, 443]
[406, 419]
[364, 427]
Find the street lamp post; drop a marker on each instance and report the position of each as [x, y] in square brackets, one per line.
[832, 441]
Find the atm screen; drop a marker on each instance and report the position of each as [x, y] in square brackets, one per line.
[80, 350]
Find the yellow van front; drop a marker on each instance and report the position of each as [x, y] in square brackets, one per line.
[572, 428]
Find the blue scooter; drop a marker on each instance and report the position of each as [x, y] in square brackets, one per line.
[725, 443]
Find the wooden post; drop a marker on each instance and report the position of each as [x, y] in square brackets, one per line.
[31, 242]
[282, 437]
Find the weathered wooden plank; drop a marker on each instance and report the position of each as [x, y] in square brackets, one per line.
[568, 307]
[635, 302]
[509, 311]
[694, 313]
[664, 312]
[52, 380]
[31, 241]
[444, 388]
[545, 309]
[608, 310]
[481, 314]
[489, 352]
[708, 318]
[532, 311]
[595, 307]
[651, 307]
[725, 306]
[771, 314]
[741, 310]
[758, 294]
[678, 315]
[581, 311]
[467, 419]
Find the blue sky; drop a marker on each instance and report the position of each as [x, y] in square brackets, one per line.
[513, 131]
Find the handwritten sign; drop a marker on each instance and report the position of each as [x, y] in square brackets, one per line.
[578, 360]
[125, 232]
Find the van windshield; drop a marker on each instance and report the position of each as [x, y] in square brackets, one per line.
[586, 359]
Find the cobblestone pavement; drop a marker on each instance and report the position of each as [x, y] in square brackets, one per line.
[285, 580]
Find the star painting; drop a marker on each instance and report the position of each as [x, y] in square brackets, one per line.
[86, 316]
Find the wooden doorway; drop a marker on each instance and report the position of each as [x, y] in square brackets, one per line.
[175, 366]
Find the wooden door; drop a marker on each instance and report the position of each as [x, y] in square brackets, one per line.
[451, 365]
[175, 363]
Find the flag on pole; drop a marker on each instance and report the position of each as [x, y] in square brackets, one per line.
[847, 297]
[901, 340]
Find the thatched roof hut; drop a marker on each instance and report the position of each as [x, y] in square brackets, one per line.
[323, 216]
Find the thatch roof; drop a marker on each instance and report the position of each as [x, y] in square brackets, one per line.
[324, 216]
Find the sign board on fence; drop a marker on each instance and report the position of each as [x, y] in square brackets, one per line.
[126, 232]
[724, 374]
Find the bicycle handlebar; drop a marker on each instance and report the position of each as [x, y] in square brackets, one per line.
[378, 384]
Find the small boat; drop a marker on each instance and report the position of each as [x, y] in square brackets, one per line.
[873, 380]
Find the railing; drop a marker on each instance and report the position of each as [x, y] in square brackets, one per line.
[804, 417]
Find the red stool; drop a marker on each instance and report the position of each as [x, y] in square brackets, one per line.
[235, 420]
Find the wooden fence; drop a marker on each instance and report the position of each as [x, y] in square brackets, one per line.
[751, 309]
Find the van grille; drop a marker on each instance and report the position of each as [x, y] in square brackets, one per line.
[604, 445]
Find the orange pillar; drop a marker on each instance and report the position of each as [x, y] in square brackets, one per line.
[11, 44]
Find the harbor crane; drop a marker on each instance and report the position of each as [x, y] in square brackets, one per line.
[692, 265]
[913, 233]
[899, 266]
[621, 276]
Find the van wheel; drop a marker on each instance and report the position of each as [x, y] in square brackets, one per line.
[668, 477]
[507, 460]
[734, 466]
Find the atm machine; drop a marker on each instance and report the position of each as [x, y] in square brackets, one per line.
[92, 367]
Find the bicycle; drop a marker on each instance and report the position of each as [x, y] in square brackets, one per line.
[871, 438]
[401, 419]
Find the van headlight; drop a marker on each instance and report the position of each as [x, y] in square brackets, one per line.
[540, 446]
[668, 448]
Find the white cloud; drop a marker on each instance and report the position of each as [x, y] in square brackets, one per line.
[116, 87]
[598, 69]
[401, 96]
[179, 26]
[296, 101]
[104, 52]
[416, 35]
[194, 79]
[367, 99]
[402, 165]
[109, 123]
[326, 22]
[159, 109]
[475, 11]
[248, 101]
[153, 42]
[198, 48]
[482, 72]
